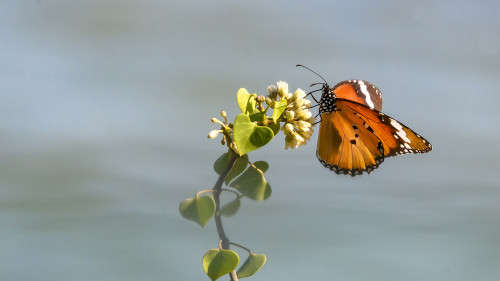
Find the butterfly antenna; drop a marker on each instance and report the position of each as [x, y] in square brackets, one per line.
[312, 72]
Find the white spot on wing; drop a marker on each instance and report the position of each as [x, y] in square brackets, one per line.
[401, 133]
[364, 90]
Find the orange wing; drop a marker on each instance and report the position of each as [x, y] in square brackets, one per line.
[345, 146]
[354, 139]
[394, 135]
[359, 91]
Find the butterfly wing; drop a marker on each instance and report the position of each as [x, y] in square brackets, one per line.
[354, 139]
[345, 146]
[396, 137]
[359, 91]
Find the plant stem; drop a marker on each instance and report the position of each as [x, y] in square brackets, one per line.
[218, 221]
[243, 247]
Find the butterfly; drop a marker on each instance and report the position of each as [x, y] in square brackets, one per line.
[354, 135]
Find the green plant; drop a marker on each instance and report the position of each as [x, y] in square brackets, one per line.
[261, 118]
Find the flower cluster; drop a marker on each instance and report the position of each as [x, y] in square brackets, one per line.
[299, 121]
[291, 109]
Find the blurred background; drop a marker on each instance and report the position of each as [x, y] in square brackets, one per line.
[105, 107]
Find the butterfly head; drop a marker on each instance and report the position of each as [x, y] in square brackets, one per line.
[327, 94]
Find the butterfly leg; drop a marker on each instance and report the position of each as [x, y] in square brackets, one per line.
[310, 94]
[318, 121]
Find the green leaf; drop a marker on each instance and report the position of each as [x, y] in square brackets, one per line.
[252, 182]
[219, 262]
[221, 163]
[252, 264]
[248, 135]
[198, 209]
[279, 108]
[246, 101]
[238, 167]
[231, 208]
[275, 127]
[257, 116]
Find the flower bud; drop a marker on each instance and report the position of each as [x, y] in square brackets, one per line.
[288, 129]
[269, 101]
[213, 134]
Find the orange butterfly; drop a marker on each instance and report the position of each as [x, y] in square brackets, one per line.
[354, 136]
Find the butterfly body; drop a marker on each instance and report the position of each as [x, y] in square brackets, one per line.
[354, 135]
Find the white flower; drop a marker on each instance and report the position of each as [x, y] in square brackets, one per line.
[271, 89]
[303, 126]
[307, 134]
[296, 133]
[290, 142]
[294, 140]
[303, 114]
[283, 89]
[298, 95]
[299, 139]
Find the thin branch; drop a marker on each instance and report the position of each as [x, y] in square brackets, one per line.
[253, 166]
[240, 246]
[224, 241]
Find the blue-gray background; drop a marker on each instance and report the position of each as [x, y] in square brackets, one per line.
[105, 108]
